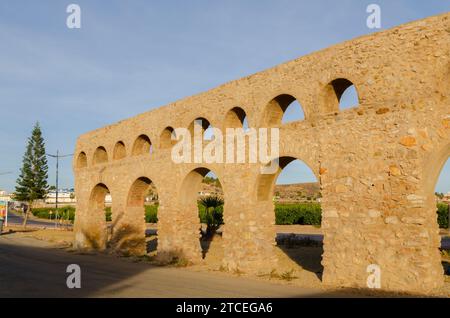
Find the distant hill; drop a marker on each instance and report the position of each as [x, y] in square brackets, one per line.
[297, 192]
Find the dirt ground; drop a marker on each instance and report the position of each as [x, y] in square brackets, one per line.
[299, 259]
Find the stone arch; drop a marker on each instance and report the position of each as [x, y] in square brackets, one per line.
[142, 146]
[276, 109]
[97, 238]
[138, 190]
[82, 161]
[189, 193]
[334, 91]
[433, 168]
[167, 138]
[100, 156]
[120, 151]
[234, 118]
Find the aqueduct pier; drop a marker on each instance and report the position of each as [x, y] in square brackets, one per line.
[377, 163]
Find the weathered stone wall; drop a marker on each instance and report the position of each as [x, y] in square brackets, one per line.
[377, 163]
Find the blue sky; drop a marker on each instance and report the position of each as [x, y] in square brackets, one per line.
[132, 56]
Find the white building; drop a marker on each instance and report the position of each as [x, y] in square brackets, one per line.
[64, 196]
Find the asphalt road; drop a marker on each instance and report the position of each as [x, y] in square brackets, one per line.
[33, 268]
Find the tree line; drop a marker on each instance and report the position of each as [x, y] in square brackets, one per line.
[32, 185]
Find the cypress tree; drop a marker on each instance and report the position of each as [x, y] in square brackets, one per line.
[32, 182]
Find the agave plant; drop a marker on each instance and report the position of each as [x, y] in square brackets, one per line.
[213, 214]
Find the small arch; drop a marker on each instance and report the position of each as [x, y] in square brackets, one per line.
[142, 145]
[235, 118]
[292, 194]
[138, 192]
[282, 109]
[266, 182]
[433, 168]
[208, 205]
[100, 156]
[119, 151]
[340, 94]
[82, 160]
[205, 125]
[168, 138]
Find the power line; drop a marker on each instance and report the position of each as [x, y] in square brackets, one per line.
[57, 156]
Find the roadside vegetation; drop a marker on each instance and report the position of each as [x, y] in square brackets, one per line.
[211, 213]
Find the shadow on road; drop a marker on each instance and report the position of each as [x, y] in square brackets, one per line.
[31, 269]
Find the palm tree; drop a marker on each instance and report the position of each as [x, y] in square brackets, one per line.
[214, 217]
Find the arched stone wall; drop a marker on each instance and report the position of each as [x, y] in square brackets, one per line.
[377, 162]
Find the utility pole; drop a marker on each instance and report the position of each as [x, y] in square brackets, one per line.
[57, 156]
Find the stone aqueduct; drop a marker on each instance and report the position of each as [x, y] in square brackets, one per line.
[377, 163]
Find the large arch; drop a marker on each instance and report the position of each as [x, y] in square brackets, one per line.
[235, 118]
[300, 196]
[141, 146]
[98, 238]
[378, 162]
[129, 235]
[167, 138]
[432, 168]
[100, 156]
[333, 93]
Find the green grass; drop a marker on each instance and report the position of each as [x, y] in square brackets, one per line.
[285, 214]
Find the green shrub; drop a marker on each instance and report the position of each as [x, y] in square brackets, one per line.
[66, 213]
[301, 213]
[442, 215]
